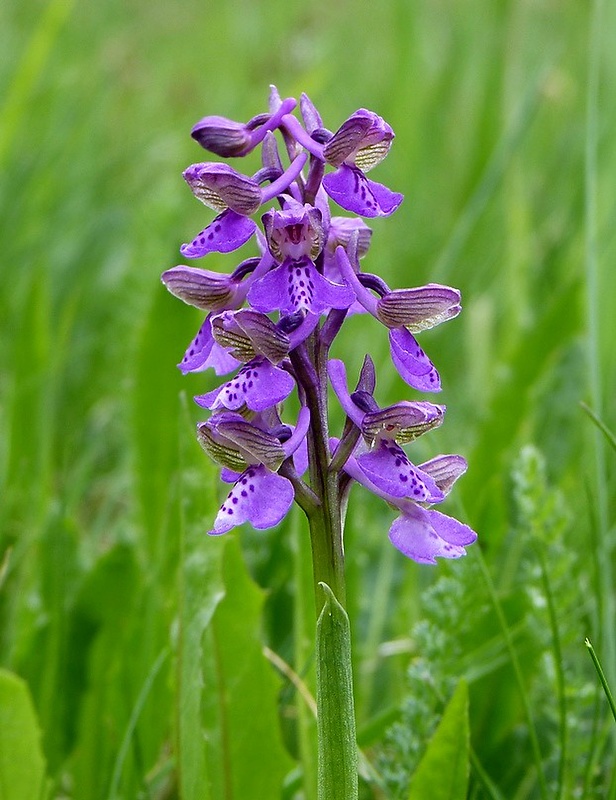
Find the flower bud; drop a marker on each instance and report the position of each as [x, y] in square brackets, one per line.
[223, 136]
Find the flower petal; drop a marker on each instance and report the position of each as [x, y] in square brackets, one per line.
[413, 534]
[451, 530]
[203, 352]
[388, 467]
[412, 363]
[296, 285]
[445, 469]
[259, 496]
[350, 188]
[225, 234]
[258, 384]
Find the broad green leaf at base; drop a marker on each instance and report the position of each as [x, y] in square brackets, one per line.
[22, 765]
[442, 773]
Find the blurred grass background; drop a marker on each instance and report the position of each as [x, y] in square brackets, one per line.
[109, 592]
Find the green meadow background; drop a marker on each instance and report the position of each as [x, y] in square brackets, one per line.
[140, 658]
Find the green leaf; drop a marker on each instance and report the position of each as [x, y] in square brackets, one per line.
[201, 592]
[242, 742]
[336, 722]
[22, 765]
[442, 773]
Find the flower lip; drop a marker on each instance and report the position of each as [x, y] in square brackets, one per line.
[259, 385]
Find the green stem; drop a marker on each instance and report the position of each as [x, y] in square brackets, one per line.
[337, 743]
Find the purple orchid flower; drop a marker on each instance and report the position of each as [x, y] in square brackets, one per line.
[205, 353]
[401, 311]
[223, 189]
[361, 142]
[423, 534]
[259, 495]
[296, 237]
[273, 320]
[385, 463]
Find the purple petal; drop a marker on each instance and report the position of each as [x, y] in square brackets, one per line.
[203, 352]
[258, 384]
[388, 467]
[300, 458]
[450, 529]
[413, 534]
[445, 469]
[412, 363]
[350, 188]
[225, 234]
[259, 496]
[296, 285]
[228, 475]
[338, 378]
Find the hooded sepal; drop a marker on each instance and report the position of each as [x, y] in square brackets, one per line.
[249, 333]
[219, 186]
[234, 442]
[445, 470]
[363, 139]
[404, 421]
[294, 232]
[201, 288]
[420, 308]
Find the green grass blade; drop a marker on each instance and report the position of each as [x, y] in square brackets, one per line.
[602, 678]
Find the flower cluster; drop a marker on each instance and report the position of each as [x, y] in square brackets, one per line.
[271, 322]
